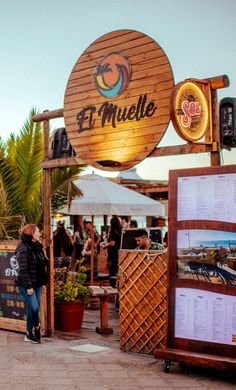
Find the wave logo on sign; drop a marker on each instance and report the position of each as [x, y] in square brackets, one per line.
[112, 75]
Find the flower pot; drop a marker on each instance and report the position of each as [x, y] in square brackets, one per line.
[69, 316]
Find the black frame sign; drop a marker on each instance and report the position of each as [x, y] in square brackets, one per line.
[202, 261]
[12, 305]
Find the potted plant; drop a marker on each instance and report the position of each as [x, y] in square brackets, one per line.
[70, 296]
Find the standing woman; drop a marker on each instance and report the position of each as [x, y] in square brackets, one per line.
[32, 275]
[113, 246]
[62, 246]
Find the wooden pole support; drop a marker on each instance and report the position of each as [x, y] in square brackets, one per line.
[104, 329]
[215, 155]
[47, 230]
[92, 252]
[46, 140]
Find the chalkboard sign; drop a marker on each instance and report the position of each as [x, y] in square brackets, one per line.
[128, 237]
[12, 305]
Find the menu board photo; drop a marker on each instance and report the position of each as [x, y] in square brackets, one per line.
[207, 255]
[12, 305]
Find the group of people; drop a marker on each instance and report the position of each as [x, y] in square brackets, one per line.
[69, 249]
[33, 262]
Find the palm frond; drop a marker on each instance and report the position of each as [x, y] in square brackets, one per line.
[21, 176]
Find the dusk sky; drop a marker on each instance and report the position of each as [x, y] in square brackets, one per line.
[41, 42]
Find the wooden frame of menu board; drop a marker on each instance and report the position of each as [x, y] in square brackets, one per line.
[202, 268]
[12, 305]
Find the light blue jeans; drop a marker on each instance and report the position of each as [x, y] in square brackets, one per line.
[32, 303]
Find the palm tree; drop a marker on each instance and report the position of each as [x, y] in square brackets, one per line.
[21, 178]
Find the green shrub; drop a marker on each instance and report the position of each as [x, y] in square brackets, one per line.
[69, 286]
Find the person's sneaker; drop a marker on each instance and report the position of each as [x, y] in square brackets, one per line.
[30, 337]
[37, 334]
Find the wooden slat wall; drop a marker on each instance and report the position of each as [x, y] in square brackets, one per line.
[151, 74]
[143, 300]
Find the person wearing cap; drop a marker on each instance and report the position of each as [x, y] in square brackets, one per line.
[142, 240]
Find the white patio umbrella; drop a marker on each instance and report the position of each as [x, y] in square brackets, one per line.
[103, 197]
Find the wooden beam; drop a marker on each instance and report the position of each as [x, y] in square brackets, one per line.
[182, 149]
[62, 162]
[218, 82]
[149, 190]
[46, 115]
[145, 182]
[157, 152]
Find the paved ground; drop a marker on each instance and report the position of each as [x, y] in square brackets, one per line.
[53, 365]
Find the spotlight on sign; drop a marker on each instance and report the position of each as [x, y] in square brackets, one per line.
[227, 116]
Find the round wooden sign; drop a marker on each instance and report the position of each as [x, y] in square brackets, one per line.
[190, 110]
[116, 105]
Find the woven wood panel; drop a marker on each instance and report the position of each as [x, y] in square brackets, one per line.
[143, 301]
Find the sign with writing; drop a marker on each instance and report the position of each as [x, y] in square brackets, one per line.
[202, 258]
[190, 110]
[205, 316]
[116, 105]
[12, 305]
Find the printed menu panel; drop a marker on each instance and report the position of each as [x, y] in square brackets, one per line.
[205, 316]
[207, 197]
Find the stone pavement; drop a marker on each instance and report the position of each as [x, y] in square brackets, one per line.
[54, 365]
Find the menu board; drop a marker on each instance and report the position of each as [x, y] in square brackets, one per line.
[12, 305]
[205, 316]
[202, 266]
[207, 197]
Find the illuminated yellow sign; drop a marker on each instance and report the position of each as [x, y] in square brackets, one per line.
[190, 110]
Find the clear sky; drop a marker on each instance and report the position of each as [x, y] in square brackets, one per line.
[41, 41]
[195, 237]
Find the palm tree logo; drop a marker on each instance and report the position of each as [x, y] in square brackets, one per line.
[112, 75]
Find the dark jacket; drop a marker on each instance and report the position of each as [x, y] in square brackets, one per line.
[62, 244]
[32, 264]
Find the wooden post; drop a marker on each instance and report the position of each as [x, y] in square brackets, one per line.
[104, 328]
[47, 231]
[215, 155]
[104, 313]
[92, 252]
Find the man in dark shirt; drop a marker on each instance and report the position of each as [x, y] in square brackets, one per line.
[142, 240]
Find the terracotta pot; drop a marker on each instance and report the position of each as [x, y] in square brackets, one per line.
[69, 316]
